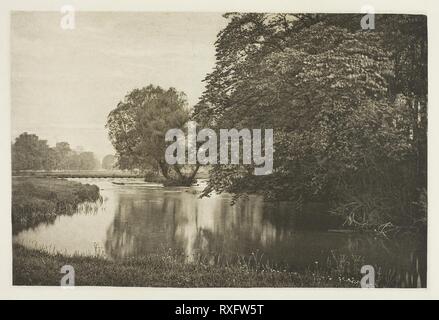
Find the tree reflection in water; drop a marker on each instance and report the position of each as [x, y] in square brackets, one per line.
[139, 219]
[150, 220]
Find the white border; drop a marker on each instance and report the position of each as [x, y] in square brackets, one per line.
[7, 291]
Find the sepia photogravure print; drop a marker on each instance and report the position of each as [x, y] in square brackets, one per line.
[229, 149]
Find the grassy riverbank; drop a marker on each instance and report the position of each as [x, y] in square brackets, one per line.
[38, 200]
[37, 267]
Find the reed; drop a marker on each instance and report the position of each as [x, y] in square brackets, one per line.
[41, 200]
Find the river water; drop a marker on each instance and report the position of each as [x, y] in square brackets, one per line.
[137, 218]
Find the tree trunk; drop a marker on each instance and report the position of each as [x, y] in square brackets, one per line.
[164, 169]
[185, 180]
[194, 173]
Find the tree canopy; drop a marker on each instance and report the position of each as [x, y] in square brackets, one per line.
[138, 125]
[348, 108]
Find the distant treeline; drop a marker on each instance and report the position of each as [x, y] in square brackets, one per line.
[31, 153]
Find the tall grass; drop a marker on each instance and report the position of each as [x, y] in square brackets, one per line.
[170, 268]
[38, 200]
[162, 269]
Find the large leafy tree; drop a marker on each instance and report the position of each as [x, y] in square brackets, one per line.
[137, 129]
[343, 118]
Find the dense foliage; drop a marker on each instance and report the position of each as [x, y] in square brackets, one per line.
[348, 108]
[137, 129]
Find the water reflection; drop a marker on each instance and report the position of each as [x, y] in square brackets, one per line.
[137, 219]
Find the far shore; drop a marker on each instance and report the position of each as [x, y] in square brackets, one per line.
[79, 174]
[95, 174]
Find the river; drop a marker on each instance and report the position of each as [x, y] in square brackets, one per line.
[137, 218]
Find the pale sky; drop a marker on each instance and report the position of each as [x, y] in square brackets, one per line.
[65, 82]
